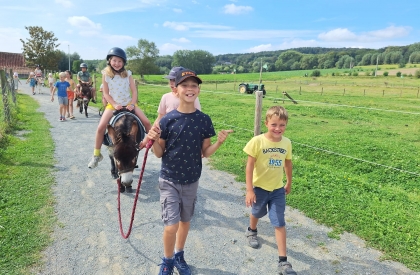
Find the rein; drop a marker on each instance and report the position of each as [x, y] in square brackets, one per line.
[133, 211]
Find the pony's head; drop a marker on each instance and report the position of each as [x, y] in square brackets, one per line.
[125, 147]
[86, 91]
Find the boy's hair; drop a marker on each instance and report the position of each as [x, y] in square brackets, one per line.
[276, 111]
[109, 72]
[62, 74]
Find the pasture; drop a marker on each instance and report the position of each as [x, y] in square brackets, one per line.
[356, 162]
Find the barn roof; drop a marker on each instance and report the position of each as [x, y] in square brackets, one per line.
[14, 61]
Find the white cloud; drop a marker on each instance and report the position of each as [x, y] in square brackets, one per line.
[177, 10]
[261, 48]
[181, 40]
[185, 26]
[287, 44]
[169, 48]
[251, 34]
[65, 3]
[12, 36]
[233, 9]
[84, 23]
[121, 39]
[340, 34]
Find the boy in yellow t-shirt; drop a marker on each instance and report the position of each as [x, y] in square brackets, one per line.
[268, 155]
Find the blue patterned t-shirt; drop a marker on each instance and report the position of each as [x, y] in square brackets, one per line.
[184, 135]
[62, 88]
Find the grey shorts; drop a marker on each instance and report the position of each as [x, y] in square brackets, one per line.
[177, 201]
[63, 100]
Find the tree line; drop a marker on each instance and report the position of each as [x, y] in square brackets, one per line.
[144, 58]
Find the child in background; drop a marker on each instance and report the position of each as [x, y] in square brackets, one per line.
[51, 81]
[16, 80]
[70, 94]
[182, 138]
[61, 86]
[32, 81]
[120, 92]
[268, 155]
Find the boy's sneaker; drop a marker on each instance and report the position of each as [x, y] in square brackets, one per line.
[252, 239]
[94, 161]
[285, 268]
[61, 119]
[180, 264]
[167, 267]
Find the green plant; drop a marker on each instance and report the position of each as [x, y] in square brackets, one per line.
[398, 74]
[417, 74]
[316, 73]
[385, 73]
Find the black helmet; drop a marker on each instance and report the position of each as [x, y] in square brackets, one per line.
[83, 65]
[117, 52]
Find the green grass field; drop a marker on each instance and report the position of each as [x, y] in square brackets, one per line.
[355, 155]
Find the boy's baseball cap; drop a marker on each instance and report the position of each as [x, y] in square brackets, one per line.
[172, 73]
[184, 74]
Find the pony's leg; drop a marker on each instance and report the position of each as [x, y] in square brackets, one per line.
[86, 104]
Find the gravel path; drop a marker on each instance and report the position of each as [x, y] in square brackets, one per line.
[87, 240]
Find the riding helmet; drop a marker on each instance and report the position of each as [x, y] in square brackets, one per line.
[83, 65]
[117, 52]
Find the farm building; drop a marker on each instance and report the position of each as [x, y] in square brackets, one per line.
[14, 62]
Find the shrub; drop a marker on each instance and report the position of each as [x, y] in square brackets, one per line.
[385, 73]
[367, 73]
[355, 74]
[316, 73]
[417, 74]
[398, 74]
[332, 74]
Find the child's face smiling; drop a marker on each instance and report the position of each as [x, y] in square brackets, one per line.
[275, 128]
[62, 78]
[188, 89]
[116, 62]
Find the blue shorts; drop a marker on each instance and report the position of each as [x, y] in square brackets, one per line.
[273, 203]
[177, 201]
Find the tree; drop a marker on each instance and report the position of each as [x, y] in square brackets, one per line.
[199, 61]
[142, 58]
[41, 48]
[76, 66]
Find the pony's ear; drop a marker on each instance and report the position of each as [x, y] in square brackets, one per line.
[134, 129]
[111, 133]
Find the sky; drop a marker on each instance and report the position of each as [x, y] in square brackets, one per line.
[90, 28]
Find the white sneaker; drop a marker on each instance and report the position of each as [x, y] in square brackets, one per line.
[95, 160]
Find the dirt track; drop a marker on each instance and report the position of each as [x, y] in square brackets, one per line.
[86, 239]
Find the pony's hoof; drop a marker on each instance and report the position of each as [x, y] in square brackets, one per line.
[129, 189]
[114, 175]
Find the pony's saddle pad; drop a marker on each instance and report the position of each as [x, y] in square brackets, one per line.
[140, 133]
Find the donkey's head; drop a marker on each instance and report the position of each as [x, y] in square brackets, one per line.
[125, 147]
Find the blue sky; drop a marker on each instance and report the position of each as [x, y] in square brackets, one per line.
[91, 28]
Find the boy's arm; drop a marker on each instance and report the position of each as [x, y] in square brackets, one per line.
[159, 144]
[208, 149]
[249, 173]
[288, 171]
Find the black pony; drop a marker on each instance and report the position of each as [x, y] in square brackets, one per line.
[84, 98]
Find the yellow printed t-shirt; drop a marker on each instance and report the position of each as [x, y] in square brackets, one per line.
[269, 161]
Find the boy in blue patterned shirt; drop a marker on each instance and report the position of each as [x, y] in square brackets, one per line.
[182, 140]
[61, 88]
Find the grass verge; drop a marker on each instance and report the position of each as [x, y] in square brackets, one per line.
[26, 200]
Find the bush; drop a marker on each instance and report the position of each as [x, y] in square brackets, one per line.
[316, 73]
[355, 74]
[332, 74]
[417, 74]
[398, 74]
[385, 73]
[367, 73]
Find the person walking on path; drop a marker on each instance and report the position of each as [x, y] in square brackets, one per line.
[32, 82]
[16, 80]
[70, 94]
[170, 101]
[61, 87]
[119, 91]
[182, 137]
[268, 155]
[51, 81]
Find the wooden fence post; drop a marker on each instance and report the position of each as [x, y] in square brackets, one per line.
[344, 91]
[300, 90]
[383, 92]
[364, 91]
[258, 108]
[322, 90]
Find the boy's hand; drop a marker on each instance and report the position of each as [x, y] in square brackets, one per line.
[221, 137]
[52, 98]
[250, 198]
[154, 133]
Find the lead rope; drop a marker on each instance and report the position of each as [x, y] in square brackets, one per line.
[125, 236]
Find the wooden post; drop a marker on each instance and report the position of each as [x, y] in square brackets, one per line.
[322, 90]
[344, 91]
[383, 92]
[300, 90]
[283, 97]
[258, 108]
[364, 91]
